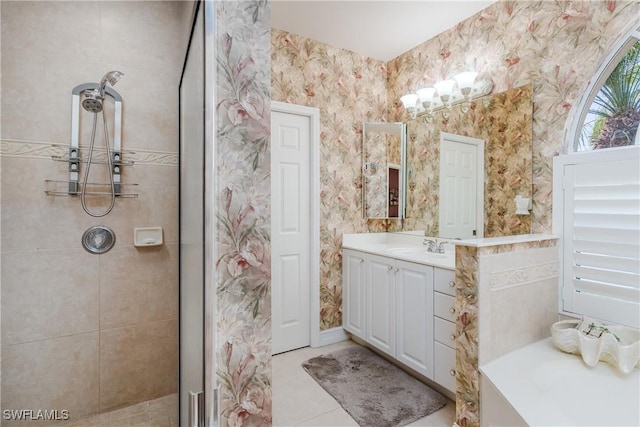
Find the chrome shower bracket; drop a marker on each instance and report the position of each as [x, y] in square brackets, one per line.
[116, 164]
[74, 167]
[74, 145]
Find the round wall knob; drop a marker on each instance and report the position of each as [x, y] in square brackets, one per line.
[452, 310]
[452, 373]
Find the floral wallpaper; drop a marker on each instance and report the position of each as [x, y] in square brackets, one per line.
[349, 89]
[504, 122]
[243, 264]
[555, 46]
[380, 195]
[374, 185]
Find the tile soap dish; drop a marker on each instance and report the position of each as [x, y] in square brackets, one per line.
[147, 236]
[613, 344]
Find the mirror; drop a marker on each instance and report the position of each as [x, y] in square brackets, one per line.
[383, 165]
[504, 122]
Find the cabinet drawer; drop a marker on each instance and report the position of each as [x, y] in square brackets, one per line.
[445, 332]
[444, 281]
[445, 366]
[444, 306]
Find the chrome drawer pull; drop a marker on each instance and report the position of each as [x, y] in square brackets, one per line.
[452, 310]
[452, 337]
[452, 373]
[389, 267]
[452, 284]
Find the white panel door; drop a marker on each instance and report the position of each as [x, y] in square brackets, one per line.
[458, 188]
[290, 231]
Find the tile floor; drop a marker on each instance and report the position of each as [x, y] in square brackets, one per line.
[161, 412]
[299, 401]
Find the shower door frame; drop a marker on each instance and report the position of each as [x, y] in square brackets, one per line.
[212, 395]
[208, 414]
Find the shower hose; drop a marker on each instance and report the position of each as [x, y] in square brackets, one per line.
[83, 194]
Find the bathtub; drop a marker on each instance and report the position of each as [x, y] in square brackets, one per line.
[539, 385]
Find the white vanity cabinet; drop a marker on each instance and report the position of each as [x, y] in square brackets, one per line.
[404, 309]
[353, 292]
[396, 297]
[444, 328]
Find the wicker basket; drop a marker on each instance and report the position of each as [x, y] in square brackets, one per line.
[618, 346]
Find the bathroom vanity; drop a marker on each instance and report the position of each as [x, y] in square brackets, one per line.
[399, 298]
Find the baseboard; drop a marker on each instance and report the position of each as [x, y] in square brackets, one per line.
[332, 336]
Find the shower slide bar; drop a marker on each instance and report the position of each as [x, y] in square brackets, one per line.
[74, 146]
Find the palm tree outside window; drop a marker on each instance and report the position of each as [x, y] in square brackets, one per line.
[613, 118]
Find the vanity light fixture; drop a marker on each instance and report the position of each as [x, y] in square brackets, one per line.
[425, 95]
[465, 82]
[410, 103]
[461, 89]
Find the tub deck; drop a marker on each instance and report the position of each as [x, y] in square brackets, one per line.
[546, 387]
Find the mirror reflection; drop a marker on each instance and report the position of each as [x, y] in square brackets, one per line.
[383, 166]
[504, 122]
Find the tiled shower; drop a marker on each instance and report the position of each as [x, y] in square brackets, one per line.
[82, 332]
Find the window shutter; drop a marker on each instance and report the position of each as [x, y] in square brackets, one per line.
[601, 239]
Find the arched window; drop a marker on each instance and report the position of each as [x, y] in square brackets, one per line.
[610, 109]
[596, 195]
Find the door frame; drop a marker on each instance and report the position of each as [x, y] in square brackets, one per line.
[479, 143]
[314, 201]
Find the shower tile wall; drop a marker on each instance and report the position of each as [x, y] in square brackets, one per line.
[82, 332]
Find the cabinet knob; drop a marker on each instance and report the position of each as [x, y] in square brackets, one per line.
[452, 310]
[452, 284]
[361, 260]
[452, 337]
[389, 268]
[452, 373]
[396, 269]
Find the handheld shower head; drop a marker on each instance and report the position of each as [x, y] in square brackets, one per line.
[112, 77]
[92, 99]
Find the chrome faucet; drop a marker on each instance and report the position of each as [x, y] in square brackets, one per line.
[434, 246]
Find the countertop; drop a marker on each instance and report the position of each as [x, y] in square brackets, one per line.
[402, 246]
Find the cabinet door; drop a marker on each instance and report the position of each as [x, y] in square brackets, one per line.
[414, 316]
[380, 303]
[353, 292]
